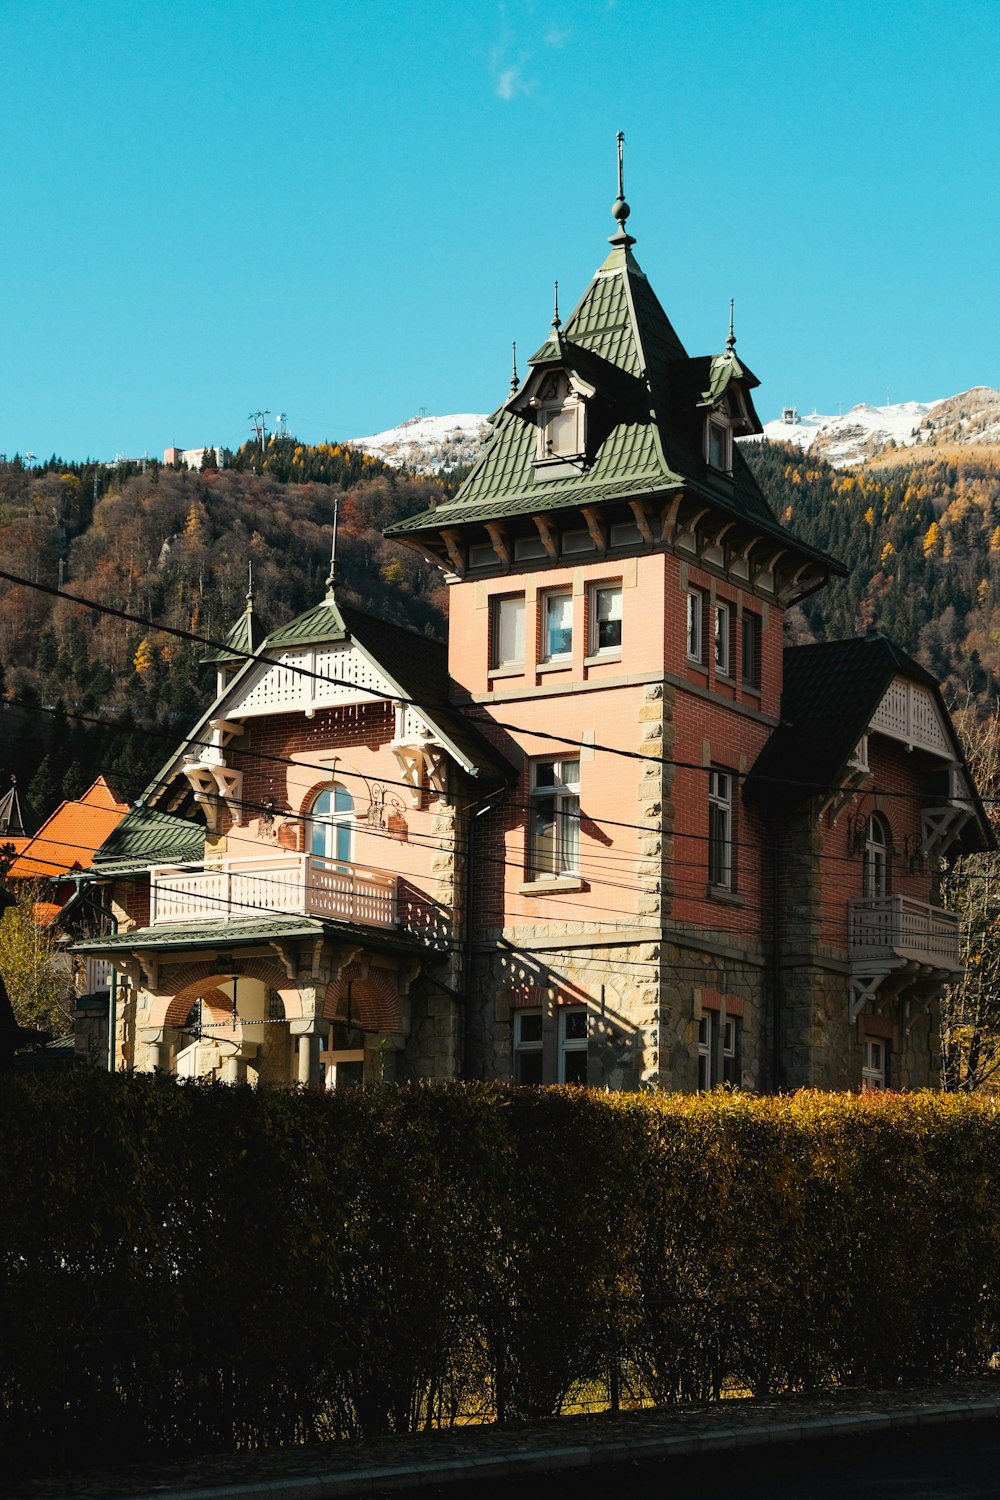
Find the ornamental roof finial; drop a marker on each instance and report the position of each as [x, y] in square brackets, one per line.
[331, 577]
[620, 208]
[250, 586]
[731, 340]
[556, 323]
[514, 382]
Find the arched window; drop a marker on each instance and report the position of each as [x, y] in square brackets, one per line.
[332, 825]
[878, 849]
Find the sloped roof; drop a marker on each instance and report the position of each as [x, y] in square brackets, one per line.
[243, 640]
[69, 838]
[650, 438]
[18, 818]
[241, 933]
[145, 837]
[831, 691]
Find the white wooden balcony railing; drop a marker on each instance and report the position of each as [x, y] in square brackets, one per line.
[287, 883]
[896, 927]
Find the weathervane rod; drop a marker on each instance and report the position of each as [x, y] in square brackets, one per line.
[621, 143]
[332, 578]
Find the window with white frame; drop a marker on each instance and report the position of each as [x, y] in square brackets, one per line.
[723, 640]
[507, 648]
[605, 624]
[718, 1050]
[753, 639]
[557, 626]
[719, 445]
[572, 1024]
[696, 609]
[720, 830]
[875, 1064]
[554, 819]
[571, 1038]
[527, 1046]
[332, 825]
[560, 419]
[878, 850]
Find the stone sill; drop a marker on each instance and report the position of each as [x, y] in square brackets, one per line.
[724, 897]
[556, 885]
[596, 661]
[514, 669]
[562, 664]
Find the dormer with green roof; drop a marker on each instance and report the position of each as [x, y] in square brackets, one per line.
[617, 430]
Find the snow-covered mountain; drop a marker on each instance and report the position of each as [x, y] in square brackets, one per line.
[866, 431]
[430, 443]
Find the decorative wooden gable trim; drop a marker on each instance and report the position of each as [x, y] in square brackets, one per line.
[335, 674]
[909, 713]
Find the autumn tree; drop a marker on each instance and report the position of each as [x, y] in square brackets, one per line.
[37, 981]
[970, 1016]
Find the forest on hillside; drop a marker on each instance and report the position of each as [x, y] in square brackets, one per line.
[85, 691]
[918, 530]
[920, 534]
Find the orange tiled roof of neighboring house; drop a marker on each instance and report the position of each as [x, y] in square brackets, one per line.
[69, 837]
[44, 913]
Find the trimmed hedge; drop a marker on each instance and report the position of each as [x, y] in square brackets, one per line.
[203, 1267]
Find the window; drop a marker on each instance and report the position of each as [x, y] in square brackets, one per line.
[527, 1046]
[878, 849]
[482, 555]
[696, 609]
[332, 825]
[554, 819]
[718, 1050]
[753, 637]
[605, 635]
[557, 626]
[720, 830]
[875, 1064]
[572, 1045]
[723, 640]
[560, 420]
[720, 445]
[508, 631]
[625, 534]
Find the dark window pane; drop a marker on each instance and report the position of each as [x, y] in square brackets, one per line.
[576, 1025]
[575, 1067]
[530, 1028]
[529, 1067]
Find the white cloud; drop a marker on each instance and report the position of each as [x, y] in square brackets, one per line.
[510, 83]
[557, 36]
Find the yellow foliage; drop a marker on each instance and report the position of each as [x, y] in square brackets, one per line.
[887, 551]
[143, 658]
[870, 516]
[932, 539]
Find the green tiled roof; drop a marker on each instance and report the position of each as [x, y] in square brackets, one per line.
[242, 641]
[324, 622]
[147, 837]
[240, 934]
[648, 417]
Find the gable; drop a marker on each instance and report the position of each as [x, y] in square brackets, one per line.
[283, 684]
[909, 713]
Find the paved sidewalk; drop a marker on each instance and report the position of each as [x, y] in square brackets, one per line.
[392, 1465]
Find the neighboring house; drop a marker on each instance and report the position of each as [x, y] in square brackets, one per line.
[191, 458]
[18, 820]
[680, 875]
[52, 859]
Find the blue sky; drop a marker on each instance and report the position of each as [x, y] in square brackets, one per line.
[347, 211]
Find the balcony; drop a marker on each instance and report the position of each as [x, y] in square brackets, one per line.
[290, 884]
[896, 930]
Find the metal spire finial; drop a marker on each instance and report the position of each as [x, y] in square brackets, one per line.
[250, 584]
[514, 382]
[331, 579]
[620, 208]
[556, 324]
[731, 340]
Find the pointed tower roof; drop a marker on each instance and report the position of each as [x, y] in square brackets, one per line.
[243, 640]
[18, 819]
[646, 403]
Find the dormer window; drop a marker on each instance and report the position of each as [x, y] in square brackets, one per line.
[720, 444]
[560, 416]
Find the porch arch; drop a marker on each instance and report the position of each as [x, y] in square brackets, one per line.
[375, 998]
[171, 1008]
